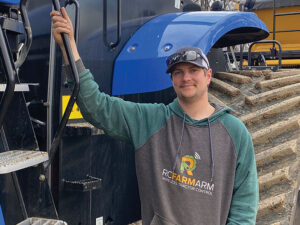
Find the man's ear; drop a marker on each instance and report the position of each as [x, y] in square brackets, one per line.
[209, 76]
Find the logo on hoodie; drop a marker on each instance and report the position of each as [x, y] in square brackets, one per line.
[188, 164]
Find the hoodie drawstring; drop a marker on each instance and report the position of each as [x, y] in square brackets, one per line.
[180, 142]
[212, 165]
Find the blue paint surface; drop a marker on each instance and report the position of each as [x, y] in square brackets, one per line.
[1, 217]
[140, 66]
[12, 2]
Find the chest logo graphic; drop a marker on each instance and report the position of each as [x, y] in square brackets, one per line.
[188, 164]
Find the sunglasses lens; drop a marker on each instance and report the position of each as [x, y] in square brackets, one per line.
[190, 56]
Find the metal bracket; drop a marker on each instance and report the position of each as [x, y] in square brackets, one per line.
[11, 25]
[89, 184]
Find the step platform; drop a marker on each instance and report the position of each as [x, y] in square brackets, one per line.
[14, 160]
[42, 221]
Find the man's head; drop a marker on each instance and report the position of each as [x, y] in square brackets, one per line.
[190, 73]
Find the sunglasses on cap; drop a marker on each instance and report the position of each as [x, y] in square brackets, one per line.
[188, 56]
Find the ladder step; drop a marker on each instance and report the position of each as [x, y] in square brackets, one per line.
[41, 221]
[18, 87]
[14, 160]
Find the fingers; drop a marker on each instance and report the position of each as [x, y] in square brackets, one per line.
[56, 17]
[61, 25]
[61, 21]
[65, 14]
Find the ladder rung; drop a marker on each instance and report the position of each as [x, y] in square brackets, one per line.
[42, 221]
[14, 160]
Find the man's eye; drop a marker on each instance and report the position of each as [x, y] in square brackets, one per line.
[177, 73]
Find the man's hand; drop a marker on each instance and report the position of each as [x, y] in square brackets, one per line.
[63, 24]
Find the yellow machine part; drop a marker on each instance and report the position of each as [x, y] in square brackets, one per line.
[75, 113]
[284, 62]
[288, 40]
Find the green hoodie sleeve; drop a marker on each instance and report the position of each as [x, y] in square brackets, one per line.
[245, 196]
[119, 119]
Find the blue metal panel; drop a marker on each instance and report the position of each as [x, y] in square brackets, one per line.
[11, 2]
[1, 217]
[141, 67]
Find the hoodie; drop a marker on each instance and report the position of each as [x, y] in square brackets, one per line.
[190, 172]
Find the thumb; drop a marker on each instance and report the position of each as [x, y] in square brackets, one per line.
[65, 14]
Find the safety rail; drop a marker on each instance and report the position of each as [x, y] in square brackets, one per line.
[106, 42]
[274, 21]
[10, 72]
[274, 68]
[77, 16]
[64, 120]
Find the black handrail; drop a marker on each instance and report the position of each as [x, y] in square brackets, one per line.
[265, 41]
[111, 44]
[274, 22]
[10, 74]
[64, 120]
[77, 16]
[28, 36]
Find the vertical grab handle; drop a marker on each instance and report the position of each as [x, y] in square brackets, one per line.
[111, 44]
[77, 16]
[10, 74]
[64, 120]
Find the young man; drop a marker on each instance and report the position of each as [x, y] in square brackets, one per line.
[195, 162]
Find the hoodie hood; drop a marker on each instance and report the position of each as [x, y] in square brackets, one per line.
[219, 112]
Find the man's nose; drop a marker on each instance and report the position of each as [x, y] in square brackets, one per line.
[186, 75]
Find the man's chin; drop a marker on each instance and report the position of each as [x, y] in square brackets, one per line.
[188, 94]
[187, 97]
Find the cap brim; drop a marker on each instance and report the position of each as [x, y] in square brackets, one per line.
[170, 69]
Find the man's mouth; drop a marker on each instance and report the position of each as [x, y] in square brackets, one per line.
[187, 85]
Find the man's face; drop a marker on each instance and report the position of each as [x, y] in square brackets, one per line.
[190, 81]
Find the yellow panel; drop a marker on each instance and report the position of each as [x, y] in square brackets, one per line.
[75, 113]
[288, 40]
[284, 62]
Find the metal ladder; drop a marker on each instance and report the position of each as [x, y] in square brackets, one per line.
[19, 148]
[18, 159]
[13, 160]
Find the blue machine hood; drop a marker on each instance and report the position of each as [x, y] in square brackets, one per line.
[140, 66]
[12, 2]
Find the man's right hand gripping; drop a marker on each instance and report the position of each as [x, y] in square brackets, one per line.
[63, 24]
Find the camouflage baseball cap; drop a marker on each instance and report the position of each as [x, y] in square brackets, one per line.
[187, 55]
